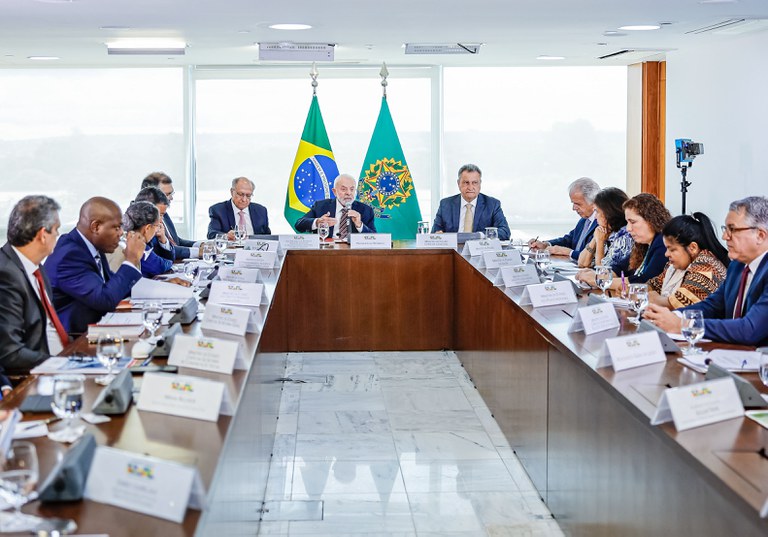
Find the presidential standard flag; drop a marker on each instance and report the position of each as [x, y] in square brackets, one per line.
[385, 181]
[314, 168]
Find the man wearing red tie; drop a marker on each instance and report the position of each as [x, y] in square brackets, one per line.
[738, 311]
[30, 330]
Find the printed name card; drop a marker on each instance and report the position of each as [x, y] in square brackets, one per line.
[635, 350]
[377, 241]
[548, 294]
[256, 259]
[300, 242]
[262, 245]
[516, 276]
[185, 396]
[239, 274]
[699, 404]
[227, 319]
[594, 318]
[144, 484]
[437, 240]
[237, 293]
[495, 259]
[207, 354]
[479, 246]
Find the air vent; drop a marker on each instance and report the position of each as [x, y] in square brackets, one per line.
[716, 26]
[613, 54]
[435, 48]
[632, 55]
[296, 52]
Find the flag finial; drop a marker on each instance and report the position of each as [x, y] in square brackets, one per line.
[314, 73]
[384, 73]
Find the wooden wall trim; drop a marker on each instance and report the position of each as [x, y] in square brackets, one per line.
[654, 126]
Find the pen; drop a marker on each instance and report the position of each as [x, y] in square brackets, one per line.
[743, 364]
[623, 286]
[146, 362]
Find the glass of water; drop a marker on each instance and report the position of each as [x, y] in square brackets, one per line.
[603, 277]
[18, 478]
[638, 300]
[692, 329]
[221, 242]
[491, 233]
[240, 234]
[543, 261]
[764, 366]
[67, 404]
[109, 350]
[323, 231]
[152, 317]
[423, 227]
[209, 252]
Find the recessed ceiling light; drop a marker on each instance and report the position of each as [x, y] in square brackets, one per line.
[114, 27]
[640, 27]
[243, 31]
[613, 33]
[290, 26]
[43, 58]
[546, 57]
[140, 45]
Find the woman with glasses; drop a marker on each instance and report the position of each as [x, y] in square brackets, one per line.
[611, 242]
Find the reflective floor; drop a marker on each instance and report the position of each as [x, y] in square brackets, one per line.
[393, 444]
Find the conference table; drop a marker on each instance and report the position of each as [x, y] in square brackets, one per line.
[582, 433]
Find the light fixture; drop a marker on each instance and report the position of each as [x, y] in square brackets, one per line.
[613, 33]
[297, 52]
[110, 27]
[442, 48]
[43, 58]
[640, 27]
[546, 57]
[151, 46]
[290, 26]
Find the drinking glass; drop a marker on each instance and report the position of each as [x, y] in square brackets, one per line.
[209, 252]
[423, 227]
[240, 234]
[18, 478]
[491, 233]
[603, 277]
[152, 317]
[67, 403]
[764, 367]
[692, 329]
[221, 242]
[190, 268]
[109, 350]
[323, 231]
[542, 261]
[638, 300]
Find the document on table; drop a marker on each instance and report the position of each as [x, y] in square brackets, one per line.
[129, 318]
[732, 360]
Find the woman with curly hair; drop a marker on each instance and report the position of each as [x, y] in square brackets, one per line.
[696, 265]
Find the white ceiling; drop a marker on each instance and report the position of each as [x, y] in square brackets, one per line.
[223, 32]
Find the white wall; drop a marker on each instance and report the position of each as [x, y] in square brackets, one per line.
[718, 95]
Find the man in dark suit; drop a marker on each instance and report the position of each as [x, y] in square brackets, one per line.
[239, 210]
[738, 311]
[30, 330]
[470, 210]
[359, 216]
[183, 248]
[582, 193]
[84, 287]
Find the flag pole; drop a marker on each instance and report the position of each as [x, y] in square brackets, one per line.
[313, 73]
[384, 73]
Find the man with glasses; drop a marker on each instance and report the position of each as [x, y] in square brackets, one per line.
[183, 248]
[738, 311]
[238, 212]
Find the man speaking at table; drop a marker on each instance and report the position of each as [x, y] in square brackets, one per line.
[344, 215]
[470, 210]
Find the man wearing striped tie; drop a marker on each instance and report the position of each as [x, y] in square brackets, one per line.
[738, 311]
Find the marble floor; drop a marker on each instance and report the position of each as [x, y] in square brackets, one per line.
[393, 444]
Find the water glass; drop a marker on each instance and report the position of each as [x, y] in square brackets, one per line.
[152, 316]
[638, 300]
[240, 234]
[423, 227]
[109, 350]
[18, 477]
[543, 261]
[190, 269]
[67, 404]
[764, 367]
[209, 252]
[323, 230]
[221, 242]
[603, 277]
[692, 329]
[491, 233]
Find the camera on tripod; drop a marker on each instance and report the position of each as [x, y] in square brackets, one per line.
[686, 151]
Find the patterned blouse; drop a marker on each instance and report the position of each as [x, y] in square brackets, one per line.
[702, 278]
[617, 247]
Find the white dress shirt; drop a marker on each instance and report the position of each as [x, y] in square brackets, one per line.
[246, 214]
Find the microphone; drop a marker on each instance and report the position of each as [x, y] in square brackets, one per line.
[348, 205]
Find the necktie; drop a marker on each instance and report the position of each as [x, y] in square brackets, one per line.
[50, 311]
[738, 310]
[580, 243]
[97, 257]
[344, 224]
[241, 222]
[468, 218]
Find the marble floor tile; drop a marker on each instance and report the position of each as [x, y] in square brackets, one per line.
[344, 421]
[284, 449]
[416, 368]
[332, 401]
[349, 382]
[408, 383]
[287, 423]
[279, 481]
[360, 514]
[444, 512]
[417, 446]
[354, 446]
[426, 399]
[322, 479]
[436, 421]
[457, 476]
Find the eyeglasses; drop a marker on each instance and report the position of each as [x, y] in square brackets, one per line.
[242, 195]
[728, 231]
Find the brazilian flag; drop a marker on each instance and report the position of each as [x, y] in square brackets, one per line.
[314, 168]
[385, 181]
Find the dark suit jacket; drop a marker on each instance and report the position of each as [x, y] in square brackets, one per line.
[655, 261]
[23, 322]
[304, 224]
[80, 295]
[488, 213]
[752, 328]
[570, 239]
[223, 219]
[182, 246]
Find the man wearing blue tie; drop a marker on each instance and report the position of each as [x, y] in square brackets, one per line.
[470, 211]
[738, 311]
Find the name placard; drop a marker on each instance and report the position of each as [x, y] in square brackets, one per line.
[594, 318]
[479, 246]
[437, 240]
[185, 396]
[262, 245]
[239, 274]
[256, 259]
[300, 242]
[376, 241]
[206, 354]
[227, 319]
[516, 276]
[144, 484]
[699, 404]
[635, 350]
[548, 294]
[238, 293]
[496, 259]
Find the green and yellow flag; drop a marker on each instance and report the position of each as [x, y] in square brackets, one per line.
[385, 182]
[314, 168]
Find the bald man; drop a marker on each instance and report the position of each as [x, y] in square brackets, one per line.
[84, 287]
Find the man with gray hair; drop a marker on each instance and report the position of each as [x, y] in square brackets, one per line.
[238, 212]
[30, 330]
[738, 311]
[582, 193]
[344, 215]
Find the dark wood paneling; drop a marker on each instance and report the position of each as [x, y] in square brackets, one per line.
[654, 124]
